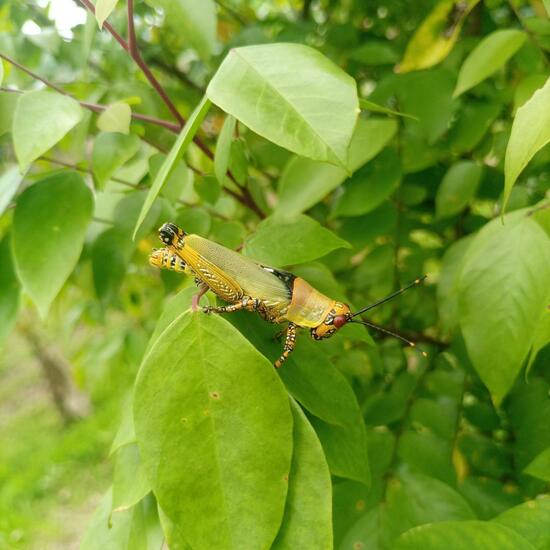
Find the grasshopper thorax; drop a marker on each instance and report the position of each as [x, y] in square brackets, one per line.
[335, 319]
[171, 235]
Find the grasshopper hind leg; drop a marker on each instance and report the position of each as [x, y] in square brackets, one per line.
[246, 303]
[290, 342]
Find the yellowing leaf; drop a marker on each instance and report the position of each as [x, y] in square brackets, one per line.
[487, 58]
[436, 36]
[530, 132]
[116, 118]
[103, 9]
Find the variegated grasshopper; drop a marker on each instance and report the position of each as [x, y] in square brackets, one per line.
[277, 295]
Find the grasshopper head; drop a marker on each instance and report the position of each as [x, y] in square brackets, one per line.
[170, 234]
[336, 318]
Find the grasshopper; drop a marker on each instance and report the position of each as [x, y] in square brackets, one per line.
[278, 296]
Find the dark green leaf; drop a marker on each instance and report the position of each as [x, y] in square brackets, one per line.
[213, 383]
[457, 188]
[9, 289]
[223, 148]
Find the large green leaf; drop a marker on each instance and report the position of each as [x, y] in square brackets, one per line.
[176, 152]
[8, 101]
[308, 512]
[488, 57]
[530, 132]
[305, 182]
[40, 120]
[217, 447]
[9, 182]
[194, 22]
[49, 226]
[281, 241]
[9, 289]
[457, 189]
[111, 150]
[292, 95]
[436, 36]
[531, 520]
[457, 535]
[502, 294]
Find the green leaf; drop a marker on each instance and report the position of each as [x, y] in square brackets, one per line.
[1, 71]
[540, 467]
[103, 9]
[9, 289]
[458, 188]
[116, 118]
[40, 120]
[222, 431]
[111, 253]
[49, 226]
[129, 483]
[436, 35]
[281, 241]
[547, 6]
[9, 182]
[530, 520]
[305, 182]
[506, 273]
[530, 132]
[135, 529]
[292, 95]
[367, 105]
[457, 535]
[8, 101]
[195, 23]
[449, 280]
[488, 57]
[307, 522]
[369, 187]
[540, 338]
[345, 448]
[111, 151]
[179, 182]
[223, 148]
[176, 152]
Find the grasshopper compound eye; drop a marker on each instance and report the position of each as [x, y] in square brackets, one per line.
[340, 321]
[170, 234]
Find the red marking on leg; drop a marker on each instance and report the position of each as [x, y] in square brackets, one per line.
[195, 300]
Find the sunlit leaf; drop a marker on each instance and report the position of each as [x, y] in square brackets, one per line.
[506, 274]
[487, 57]
[129, 482]
[540, 467]
[116, 118]
[530, 132]
[103, 9]
[284, 92]
[49, 226]
[40, 120]
[222, 430]
[436, 36]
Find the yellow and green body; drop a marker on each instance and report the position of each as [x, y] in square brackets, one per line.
[277, 295]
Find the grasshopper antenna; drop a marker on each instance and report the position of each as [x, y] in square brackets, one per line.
[389, 297]
[394, 334]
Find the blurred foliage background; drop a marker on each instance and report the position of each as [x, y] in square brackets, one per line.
[461, 435]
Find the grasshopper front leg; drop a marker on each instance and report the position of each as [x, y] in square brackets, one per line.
[246, 303]
[290, 342]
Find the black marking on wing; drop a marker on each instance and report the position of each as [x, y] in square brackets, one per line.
[285, 276]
